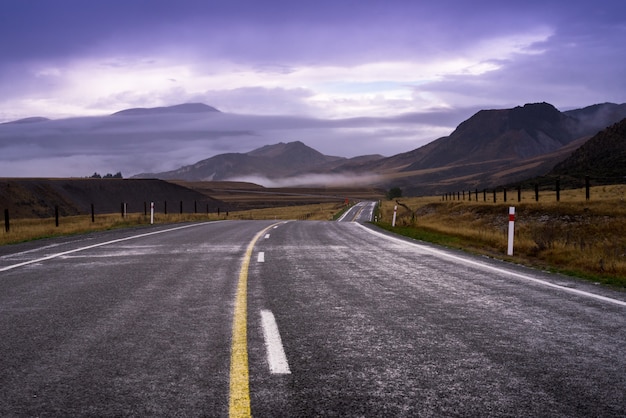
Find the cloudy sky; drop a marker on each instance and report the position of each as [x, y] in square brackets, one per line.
[345, 77]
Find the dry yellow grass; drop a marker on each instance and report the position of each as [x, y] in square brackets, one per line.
[314, 212]
[584, 237]
[29, 229]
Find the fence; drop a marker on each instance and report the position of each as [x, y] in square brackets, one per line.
[124, 212]
[538, 191]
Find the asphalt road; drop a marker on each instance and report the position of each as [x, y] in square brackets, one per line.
[340, 321]
[360, 212]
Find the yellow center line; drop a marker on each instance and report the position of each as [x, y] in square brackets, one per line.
[239, 404]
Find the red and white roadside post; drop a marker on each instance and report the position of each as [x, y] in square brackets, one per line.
[151, 213]
[511, 229]
[395, 212]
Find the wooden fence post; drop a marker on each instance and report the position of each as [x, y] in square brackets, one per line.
[587, 187]
[519, 193]
[56, 215]
[537, 192]
[505, 194]
[7, 226]
[93, 215]
[558, 190]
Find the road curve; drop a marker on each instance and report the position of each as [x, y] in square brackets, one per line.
[341, 321]
[361, 212]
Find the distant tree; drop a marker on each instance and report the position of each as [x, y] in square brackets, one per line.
[394, 193]
[117, 175]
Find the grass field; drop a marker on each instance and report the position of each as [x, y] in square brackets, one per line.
[575, 236]
[29, 229]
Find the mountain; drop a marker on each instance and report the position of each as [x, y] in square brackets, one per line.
[597, 117]
[491, 148]
[509, 134]
[496, 147]
[270, 161]
[181, 108]
[602, 157]
[34, 119]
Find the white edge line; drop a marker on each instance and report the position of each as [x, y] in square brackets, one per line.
[38, 260]
[274, 345]
[499, 270]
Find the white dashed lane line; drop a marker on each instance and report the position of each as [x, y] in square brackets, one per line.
[276, 357]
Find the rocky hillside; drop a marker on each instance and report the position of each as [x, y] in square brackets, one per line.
[496, 147]
[603, 157]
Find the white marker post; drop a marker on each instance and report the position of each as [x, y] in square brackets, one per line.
[151, 213]
[511, 229]
[395, 211]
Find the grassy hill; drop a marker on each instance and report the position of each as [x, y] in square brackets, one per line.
[603, 157]
[37, 198]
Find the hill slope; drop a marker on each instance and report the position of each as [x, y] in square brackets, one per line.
[490, 135]
[601, 157]
[496, 147]
[32, 198]
[270, 161]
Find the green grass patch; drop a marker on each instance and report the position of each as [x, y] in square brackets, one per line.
[423, 234]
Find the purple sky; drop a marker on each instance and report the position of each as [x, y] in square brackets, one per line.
[345, 77]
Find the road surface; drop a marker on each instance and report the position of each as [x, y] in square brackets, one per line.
[360, 212]
[297, 318]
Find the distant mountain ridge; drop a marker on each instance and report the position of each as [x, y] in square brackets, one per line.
[493, 147]
[181, 108]
[270, 161]
[33, 119]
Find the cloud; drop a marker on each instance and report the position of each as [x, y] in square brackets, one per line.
[347, 78]
[134, 144]
[330, 180]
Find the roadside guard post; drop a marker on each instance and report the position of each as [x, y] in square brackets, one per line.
[511, 229]
[151, 213]
[395, 211]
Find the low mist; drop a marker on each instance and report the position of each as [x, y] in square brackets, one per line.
[310, 180]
